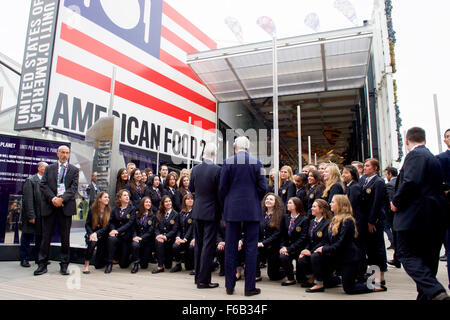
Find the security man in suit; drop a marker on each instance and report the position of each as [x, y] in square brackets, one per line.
[31, 216]
[242, 187]
[92, 188]
[59, 185]
[420, 216]
[204, 182]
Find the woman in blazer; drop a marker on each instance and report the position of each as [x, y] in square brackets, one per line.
[120, 225]
[97, 231]
[154, 192]
[287, 187]
[143, 235]
[270, 237]
[136, 187]
[333, 182]
[314, 190]
[170, 189]
[342, 248]
[317, 237]
[167, 222]
[294, 230]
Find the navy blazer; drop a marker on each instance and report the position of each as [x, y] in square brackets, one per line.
[269, 236]
[444, 161]
[311, 196]
[419, 196]
[294, 241]
[242, 186]
[186, 226]
[342, 246]
[90, 229]
[155, 197]
[144, 228]
[301, 194]
[122, 224]
[204, 183]
[318, 236]
[169, 227]
[287, 191]
[335, 189]
[136, 196]
[373, 197]
[353, 193]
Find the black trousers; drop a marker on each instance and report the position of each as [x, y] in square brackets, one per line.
[141, 251]
[184, 252]
[272, 257]
[322, 267]
[101, 253]
[349, 273]
[419, 251]
[164, 253]
[48, 227]
[122, 244]
[286, 263]
[304, 267]
[25, 246]
[205, 247]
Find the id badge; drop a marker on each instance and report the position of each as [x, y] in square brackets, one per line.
[61, 189]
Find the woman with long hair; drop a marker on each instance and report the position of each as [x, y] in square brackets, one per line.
[170, 189]
[143, 235]
[167, 222]
[97, 231]
[136, 187]
[269, 236]
[183, 189]
[333, 182]
[154, 192]
[271, 184]
[122, 179]
[314, 190]
[287, 187]
[120, 225]
[317, 237]
[342, 249]
[183, 248]
[294, 231]
[183, 173]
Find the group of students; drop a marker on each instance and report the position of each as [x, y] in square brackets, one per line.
[327, 222]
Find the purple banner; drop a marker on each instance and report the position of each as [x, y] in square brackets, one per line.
[18, 160]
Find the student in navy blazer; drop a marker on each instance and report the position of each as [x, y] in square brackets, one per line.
[204, 183]
[242, 187]
[420, 216]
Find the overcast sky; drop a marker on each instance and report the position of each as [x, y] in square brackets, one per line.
[421, 51]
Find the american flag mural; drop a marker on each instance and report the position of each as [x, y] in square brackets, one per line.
[156, 94]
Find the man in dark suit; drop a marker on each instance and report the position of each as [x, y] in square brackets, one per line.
[92, 188]
[31, 216]
[420, 218]
[206, 214]
[444, 160]
[391, 176]
[242, 186]
[59, 185]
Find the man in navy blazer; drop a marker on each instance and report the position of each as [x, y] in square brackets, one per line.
[206, 214]
[242, 188]
[420, 218]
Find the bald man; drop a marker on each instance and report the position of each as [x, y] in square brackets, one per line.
[59, 185]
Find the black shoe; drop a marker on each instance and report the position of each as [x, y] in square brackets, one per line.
[306, 284]
[395, 263]
[63, 269]
[40, 270]
[258, 279]
[135, 268]
[108, 268]
[309, 290]
[177, 268]
[25, 264]
[288, 283]
[156, 270]
[230, 291]
[207, 285]
[443, 258]
[252, 292]
[192, 273]
[441, 296]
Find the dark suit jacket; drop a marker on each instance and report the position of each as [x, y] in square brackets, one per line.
[335, 189]
[318, 236]
[155, 197]
[90, 190]
[373, 198]
[287, 191]
[204, 182]
[342, 246]
[294, 241]
[90, 229]
[311, 196]
[145, 230]
[136, 196]
[301, 194]
[169, 227]
[444, 160]
[269, 236]
[419, 196]
[122, 224]
[186, 227]
[242, 186]
[31, 205]
[173, 197]
[49, 185]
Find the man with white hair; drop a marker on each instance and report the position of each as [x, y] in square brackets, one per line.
[242, 186]
[206, 213]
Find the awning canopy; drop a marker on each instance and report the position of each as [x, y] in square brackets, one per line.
[318, 62]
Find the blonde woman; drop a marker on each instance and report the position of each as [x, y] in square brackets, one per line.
[287, 187]
[342, 251]
[333, 182]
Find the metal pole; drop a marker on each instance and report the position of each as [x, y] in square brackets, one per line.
[111, 92]
[309, 149]
[315, 159]
[438, 126]
[299, 124]
[157, 162]
[276, 150]
[368, 116]
[188, 164]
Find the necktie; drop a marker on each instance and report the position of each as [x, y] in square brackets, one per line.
[143, 220]
[167, 216]
[122, 211]
[159, 193]
[61, 174]
[291, 225]
[138, 188]
[315, 223]
[183, 217]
